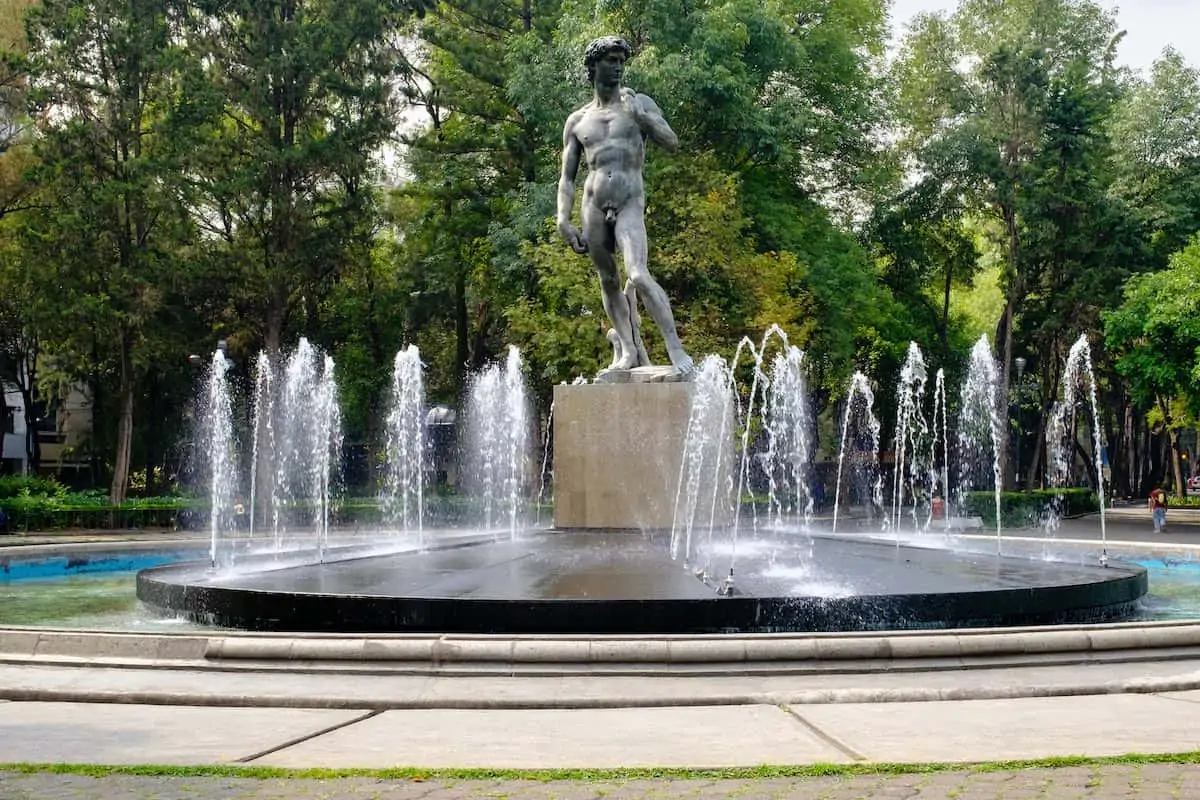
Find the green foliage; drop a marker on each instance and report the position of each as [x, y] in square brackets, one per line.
[30, 486]
[1022, 509]
[56, 511]
[218, 171]
[1156, 331]
[1155, 130]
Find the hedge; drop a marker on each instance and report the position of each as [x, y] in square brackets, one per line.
[1019, 509]
[29, 512]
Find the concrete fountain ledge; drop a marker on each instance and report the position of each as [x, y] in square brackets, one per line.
[473, 672]
[781, 653]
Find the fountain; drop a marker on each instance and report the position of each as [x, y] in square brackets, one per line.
[1061, 440]
[939, 479]
[788, 424]
[216, 427]
[498, 423]
[792, 574]
[910, 472]
[980, 428]
[863, 447]
[309, 433]
[402, 498]
[705, 461]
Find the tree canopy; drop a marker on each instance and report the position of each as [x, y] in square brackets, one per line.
[373, 173]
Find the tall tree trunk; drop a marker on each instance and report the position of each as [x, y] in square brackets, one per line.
[1002, 446]
[273, 334]
[98, 417]
[946, 310]
[462, 333]
[26, 381]
[1035, 460]
[124, 453]
[1177, 465]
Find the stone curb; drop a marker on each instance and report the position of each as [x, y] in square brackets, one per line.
[30, 643]
[567, 702]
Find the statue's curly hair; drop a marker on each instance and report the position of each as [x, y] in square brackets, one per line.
[599, 48]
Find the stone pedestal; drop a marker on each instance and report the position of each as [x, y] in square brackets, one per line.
[617, 453]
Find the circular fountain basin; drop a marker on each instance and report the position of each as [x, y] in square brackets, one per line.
[626, 583]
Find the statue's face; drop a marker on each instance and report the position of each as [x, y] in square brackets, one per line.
[610, 68]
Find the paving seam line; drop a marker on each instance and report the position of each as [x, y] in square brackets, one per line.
[309, 736]
[1189, 700]
[827, 738]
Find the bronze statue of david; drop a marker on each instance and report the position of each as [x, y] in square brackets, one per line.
[610, 134]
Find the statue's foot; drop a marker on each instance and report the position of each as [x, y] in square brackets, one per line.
[626, 361]
[615, 341]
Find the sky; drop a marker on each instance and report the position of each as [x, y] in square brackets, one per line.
[1150, 26]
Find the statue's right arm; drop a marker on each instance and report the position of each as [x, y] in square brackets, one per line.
[572, 152]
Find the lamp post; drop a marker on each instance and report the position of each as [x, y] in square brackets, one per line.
[1020, 363]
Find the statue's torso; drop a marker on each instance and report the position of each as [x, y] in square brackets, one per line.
[614, 151]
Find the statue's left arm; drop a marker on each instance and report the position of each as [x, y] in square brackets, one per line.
[650, 119]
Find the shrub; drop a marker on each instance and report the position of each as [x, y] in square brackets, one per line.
[30, 485]
[1019, 509]
[28, 512]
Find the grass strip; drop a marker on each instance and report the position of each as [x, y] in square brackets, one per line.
[597, 775]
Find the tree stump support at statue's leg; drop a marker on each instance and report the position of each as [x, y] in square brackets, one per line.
[635, 322]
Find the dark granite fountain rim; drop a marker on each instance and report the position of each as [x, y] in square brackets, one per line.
[1105, 594]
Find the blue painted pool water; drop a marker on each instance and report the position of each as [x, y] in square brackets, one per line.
[87, 563]
[86, 589]
[97, 589]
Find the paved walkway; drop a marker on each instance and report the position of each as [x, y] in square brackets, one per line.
[1148, 781]
[694, 722]
[964, 731]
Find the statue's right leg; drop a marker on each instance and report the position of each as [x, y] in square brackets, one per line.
[602, 245]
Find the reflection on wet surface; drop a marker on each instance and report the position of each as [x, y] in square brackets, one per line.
[616, 566]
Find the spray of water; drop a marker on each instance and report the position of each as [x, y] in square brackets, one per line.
[402, 498]
[547, 430]
[980, 428]
[708, 429]
[264, 439]
[1060, 436]
[788, 425]
[309, 446]
[912, 430]
[862, 437]
[498, 420]
[220, 451]
[939, 478]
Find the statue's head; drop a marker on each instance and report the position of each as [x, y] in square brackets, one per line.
[599, 48]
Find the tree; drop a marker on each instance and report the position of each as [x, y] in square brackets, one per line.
[102, 76]
[1155, 131]
[301, 102]
[974, 93]
[1156, 334]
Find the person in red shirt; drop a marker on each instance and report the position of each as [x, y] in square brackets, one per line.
[1158, 509]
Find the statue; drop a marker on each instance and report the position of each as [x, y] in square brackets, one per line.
[610, 133]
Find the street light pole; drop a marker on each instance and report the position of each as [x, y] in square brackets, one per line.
[1020, 363]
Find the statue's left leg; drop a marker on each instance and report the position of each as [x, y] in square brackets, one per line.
[631, 239]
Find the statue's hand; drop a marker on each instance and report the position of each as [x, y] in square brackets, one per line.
[574, 237]
[632, 102]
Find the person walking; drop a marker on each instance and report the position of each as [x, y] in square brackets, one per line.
[1158, 509]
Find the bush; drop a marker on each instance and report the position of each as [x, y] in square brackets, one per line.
[1019, 509]
[29, 512]
[30, 485]
[91, 509]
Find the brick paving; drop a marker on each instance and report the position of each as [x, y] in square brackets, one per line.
[1149, 781]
